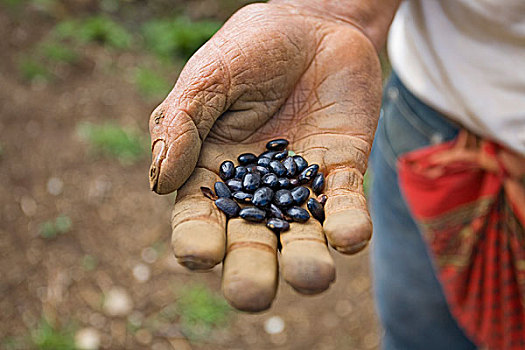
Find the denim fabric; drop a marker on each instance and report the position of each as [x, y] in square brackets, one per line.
[409, 298]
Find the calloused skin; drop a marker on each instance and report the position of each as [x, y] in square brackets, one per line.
[271, 72]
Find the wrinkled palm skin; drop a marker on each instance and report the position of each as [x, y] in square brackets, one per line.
[270, 72]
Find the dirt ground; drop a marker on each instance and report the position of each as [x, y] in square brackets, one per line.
[116, 237]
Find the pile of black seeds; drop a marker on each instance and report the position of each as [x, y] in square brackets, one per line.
[271, 187]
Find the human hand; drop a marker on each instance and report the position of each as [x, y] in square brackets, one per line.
[270, 72]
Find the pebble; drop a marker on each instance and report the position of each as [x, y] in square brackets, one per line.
[87, 339]
[117, 302]
[141, 272]
[274, 325]
[55, 186]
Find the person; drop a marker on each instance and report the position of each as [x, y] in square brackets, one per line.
[309, 71]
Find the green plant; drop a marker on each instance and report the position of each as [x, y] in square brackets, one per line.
[52, 228]
[178, 36]
[57, 52]
[150, 83]
[32, 69]
[109, 139]
[101, 29]
[49, 337]
[200, 311]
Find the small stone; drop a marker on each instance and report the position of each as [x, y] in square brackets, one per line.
[28, 205]
[149, 255]
[117, 302]
[274, 325]
[55, 186]
[141, 272]
[87, 339]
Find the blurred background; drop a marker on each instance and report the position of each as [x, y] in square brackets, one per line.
[85, 261]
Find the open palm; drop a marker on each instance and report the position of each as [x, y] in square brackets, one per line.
[270, 72]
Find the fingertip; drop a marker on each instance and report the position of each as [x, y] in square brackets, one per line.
[198, 245]
[250, 279]
[307, 266]
[348, 231]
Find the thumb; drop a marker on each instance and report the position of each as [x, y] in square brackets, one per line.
[182, 121]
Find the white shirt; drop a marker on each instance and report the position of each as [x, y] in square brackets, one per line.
[466, 58]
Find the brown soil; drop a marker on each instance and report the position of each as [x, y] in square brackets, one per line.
[116, 218]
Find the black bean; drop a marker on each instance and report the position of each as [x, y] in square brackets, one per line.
[308, 174]
[228, 207]
[252, 214]
[251, 168]
[318, 183]
[251, 182]
[300, 162]
[316, 209]
[278, 168]
[263, 161]
[271, 180]
[276, 212]
[262, 197]
[294, 182]
[284, 183]
[278, 225]
[283, 198]
[322, 199]
[234, 184]
[226, 170]
[247, 158]
[300, 194]
[268, 154]
[277, 144]
[240, 171]
[291, 167]
[243, 197]
[281, 155]
[298, 214]
[222, 190]
[262, 170]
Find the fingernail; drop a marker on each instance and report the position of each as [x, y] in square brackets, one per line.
[158, 155]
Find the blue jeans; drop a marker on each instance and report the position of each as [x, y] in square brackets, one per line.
[409, 299]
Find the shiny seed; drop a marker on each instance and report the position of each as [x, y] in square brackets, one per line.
[240, 171]
[278, 225]
[222, 190]
[283, 198]
[247, 158]
[281, 155]
[322, 199]
[262, 197]
[284, 183]
[252, 214]
[265, 162]
[291, 167]
[300, 162]
[226, 170]
[262, 170]
[234, 184]
[278, 168]
[251, 182]
[318, 183]
[242, 197]
[316, 209]
[270, 180]
[308, 174]
[276, 212]
[294, 182]
[228, 207]
[298, 214]
[300, 194]
[268, 154]
[277, 144]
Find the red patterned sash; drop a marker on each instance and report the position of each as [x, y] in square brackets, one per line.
[468, 198]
